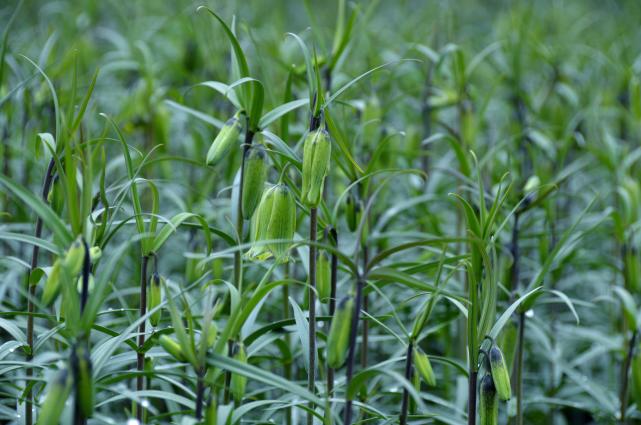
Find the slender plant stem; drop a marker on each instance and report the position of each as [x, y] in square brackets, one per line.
[625, 372]
[200, 392]
[471, 397]
[519, 370]
[333, 237]
[140, 381]
[352, 347]
[408, 375]
[311, 298]
[238, 263]
[46, 186]
[288, 362]
[365, 339]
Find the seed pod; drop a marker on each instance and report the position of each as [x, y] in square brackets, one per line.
[223, 142]
[489, 403]
[323, 277]
[260, 222]
[317, 151]
[500, 375]
[52, 284]
[74, 257]
[83, 374]
[172, 347]
[338, 337]
[424, 367]
[239, 382]
[155, 298]
[54, 403]
[254, 179]
[282, 221]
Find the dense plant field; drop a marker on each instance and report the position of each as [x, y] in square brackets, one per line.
[300, 212]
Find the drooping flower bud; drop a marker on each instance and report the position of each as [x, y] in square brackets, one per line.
[489, 403]
[282, 221]
[52, 284]
[224, 141]
[500, 375]
[172, 347]
[323, 277]
[155, 298]
[424, 367]
[338, 338]
[74, 257]
[316, 158]
[259, 224]
[254, 179]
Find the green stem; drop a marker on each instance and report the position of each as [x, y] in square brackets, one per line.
[352, 347]
[408, 375]
[519, 370]
[46, 185]
[140, 365]
[625, 372]
[311, 298]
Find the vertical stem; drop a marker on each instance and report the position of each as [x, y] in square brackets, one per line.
[333, 237]
[238, 264]
[408, 376]
[288, 364]
[519, 371]
[46, 185]
[86, 270]
[364, 346]
[311, 298]
[141, 331]
[471, 397]
[625, 371]
[352, 347]
[200, 391]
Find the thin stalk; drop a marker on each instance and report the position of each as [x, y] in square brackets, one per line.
[288, 362]
[471, 397]
[352, 347]
[46, 186]
[311, 298]
[519, 370]
[333, 237]
[625, 372]
[240, 222]
[200, 391]
[408, 376]
[140, 381]
[365, 337]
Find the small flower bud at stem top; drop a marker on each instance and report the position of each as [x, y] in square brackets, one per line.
[489, 403]
[254, 179]
[338, 337]
[500, 375]
[224, 141]
[317, 151]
